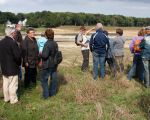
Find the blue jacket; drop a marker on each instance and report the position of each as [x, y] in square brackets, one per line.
[40, 42]
[99, 43]
[145, 46]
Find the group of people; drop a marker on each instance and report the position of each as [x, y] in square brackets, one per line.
[111, 50]
[103, 50]
[29, 53]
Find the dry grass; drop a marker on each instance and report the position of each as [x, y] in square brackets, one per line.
[79, 97]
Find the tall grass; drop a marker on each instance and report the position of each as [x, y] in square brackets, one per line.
[81, 98]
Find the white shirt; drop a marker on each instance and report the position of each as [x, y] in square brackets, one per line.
[85, 41]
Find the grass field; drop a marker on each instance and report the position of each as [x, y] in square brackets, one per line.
[79, 97]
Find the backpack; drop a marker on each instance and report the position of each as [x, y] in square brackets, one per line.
[58, 57]
[76, 39]
[136, 47]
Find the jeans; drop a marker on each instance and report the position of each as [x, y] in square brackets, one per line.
[147, 71]
[30, 76]
[85, 64]
[20, 73]
[98, 60]
[137, 68]
[52, 89]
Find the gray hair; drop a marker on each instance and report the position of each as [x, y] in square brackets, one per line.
[147, 28]
[99, 26]
[9, 31]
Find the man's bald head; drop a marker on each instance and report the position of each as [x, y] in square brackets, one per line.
[99, 26]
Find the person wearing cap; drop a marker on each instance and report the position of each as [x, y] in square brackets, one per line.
[18, 38]
[30, 58]
[83, 41]
[145, 54]
[10, 59]
[99, 44]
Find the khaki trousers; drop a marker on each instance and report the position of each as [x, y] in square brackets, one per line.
[10, 86]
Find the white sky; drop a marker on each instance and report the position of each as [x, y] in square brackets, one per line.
[136, 8]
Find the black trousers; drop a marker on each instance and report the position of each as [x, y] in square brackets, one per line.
[111, 63]
[85, 64]
[30, 76]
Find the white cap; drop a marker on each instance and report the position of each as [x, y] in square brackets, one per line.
[147, 28]
[9, 30]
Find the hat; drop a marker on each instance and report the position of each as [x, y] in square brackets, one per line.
[9, 30]
[147, 28]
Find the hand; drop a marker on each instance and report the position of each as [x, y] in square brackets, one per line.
[26, 64]
[93, 28]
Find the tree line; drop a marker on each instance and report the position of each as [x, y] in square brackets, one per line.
[55, 19]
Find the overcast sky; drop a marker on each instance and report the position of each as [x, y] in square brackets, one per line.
[136, 8]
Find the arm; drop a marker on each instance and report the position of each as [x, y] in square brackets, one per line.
[24, 52]
[16, 53]
[107, 43]
[87, 32]
[142, 44]
[91, 43]
[131, 45]
[46, 52]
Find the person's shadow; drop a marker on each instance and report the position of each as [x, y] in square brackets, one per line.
[22, 90]
[61, 80]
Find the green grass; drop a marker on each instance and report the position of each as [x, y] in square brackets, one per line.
[81, 98]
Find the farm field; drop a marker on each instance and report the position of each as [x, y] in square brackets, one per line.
[78, 96]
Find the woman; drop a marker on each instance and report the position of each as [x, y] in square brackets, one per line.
[83, 41]
[118, 50]
[137, 66]
[48, 66]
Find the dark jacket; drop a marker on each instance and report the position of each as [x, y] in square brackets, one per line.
[145, 46]
[19, 37]
[99, 42]
[30, 52]
[110, 50]
[48, 53]
[10, 56]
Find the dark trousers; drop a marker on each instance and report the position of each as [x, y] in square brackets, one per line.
[137, 68]
[30, 76]
[111, 63]
[85, 64]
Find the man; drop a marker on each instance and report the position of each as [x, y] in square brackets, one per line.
[19, 41]
[30, 57]
[10, 59]
[99, 44]
[18, 36]
[145, 53]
